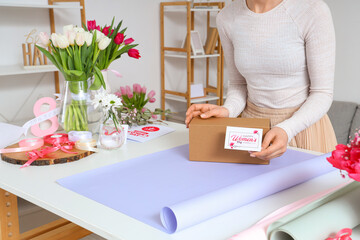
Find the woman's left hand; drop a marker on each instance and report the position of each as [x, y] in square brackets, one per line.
[274, 144]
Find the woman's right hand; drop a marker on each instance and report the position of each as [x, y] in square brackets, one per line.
[205, 111]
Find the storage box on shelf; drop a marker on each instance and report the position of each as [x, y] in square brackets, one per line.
[211, 92]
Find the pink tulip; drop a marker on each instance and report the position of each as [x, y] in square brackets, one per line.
[136, 88]
[152, 100]
[134, 53]
[98, 28]
[154, 116]
[119, 38]
[128, 41]
[143, 110]
[143, 89]
[112, 30]
[118, 93]
[106, 30]
[129, 92]
[123, 91]
[91, 25]
[151, 94]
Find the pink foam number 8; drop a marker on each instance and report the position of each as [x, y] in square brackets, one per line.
[35, 129]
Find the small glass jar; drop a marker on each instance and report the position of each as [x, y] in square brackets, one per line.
[111, 137]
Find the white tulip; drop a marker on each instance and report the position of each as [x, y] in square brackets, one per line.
[104, 42]
[88, 36]
[54, 39]
[71, 35]
[68, 28]
[80, 38]
[78, 30]
[44, 38]
[99, 35]
[62, 41]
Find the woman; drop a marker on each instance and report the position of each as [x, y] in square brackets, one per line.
[280, 57]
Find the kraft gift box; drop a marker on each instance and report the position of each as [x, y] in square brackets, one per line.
[207, 138]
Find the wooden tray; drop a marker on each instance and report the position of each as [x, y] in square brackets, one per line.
[57, 157]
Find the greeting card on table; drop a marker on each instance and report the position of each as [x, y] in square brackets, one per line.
[147, 132]
[240, 138]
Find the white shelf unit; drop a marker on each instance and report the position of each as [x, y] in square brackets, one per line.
[18, 69]
[183, 9]
[183, 55]
[211, 92]
[52, 4]
[47, 6]
[193, 100]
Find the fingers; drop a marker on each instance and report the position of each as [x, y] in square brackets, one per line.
[216, 112]
[276, 149]
[196, 110]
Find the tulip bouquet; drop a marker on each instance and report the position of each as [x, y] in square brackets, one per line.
[75, 53]
[118, 44]
[133, 110]
[347, 158]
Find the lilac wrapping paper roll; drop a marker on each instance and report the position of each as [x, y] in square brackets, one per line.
[188, 213]
[168, 192]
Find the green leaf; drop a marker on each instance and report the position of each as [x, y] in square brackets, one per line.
[63, 56]
[48, 55]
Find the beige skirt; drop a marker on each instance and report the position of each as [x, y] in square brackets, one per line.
[318, 137]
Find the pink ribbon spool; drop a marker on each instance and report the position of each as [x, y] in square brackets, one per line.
[25, 145]
[35, 129]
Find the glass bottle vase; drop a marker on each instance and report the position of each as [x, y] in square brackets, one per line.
[77, 112]
[111, 136]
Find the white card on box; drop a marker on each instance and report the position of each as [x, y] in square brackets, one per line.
[246, 139]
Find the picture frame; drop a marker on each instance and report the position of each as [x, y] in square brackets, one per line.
[196, 43]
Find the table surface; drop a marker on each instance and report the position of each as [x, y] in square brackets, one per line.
[37, 185]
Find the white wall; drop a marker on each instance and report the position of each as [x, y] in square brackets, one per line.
[347, 74]
[19, 93]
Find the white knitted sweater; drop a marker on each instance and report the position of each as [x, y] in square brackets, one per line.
[282, 58]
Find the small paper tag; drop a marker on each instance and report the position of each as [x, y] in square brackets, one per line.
[239, 138]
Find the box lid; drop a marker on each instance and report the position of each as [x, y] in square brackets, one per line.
[235, 122]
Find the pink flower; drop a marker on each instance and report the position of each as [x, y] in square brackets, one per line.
[128, 41]
[143, 89]
[143, 110]
[152, 100]
[154, 116]
[91, 25]
[134, 53]
[123, 91]
[98, 28]
[137, 88]
[106, 30]
[118, 93]
[112, 30]
[129, 92]
[119, 38]
[151, 94]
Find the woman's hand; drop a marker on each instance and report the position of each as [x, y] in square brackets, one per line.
[274, 144]
[205, 111]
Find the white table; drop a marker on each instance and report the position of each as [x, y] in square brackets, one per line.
[37, 185]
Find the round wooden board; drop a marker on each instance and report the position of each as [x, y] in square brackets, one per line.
[51, 158]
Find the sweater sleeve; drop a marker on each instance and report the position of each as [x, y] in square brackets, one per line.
[319, 36]
[237, 91]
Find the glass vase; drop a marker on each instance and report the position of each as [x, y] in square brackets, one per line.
[77, 112]
[111, 136]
